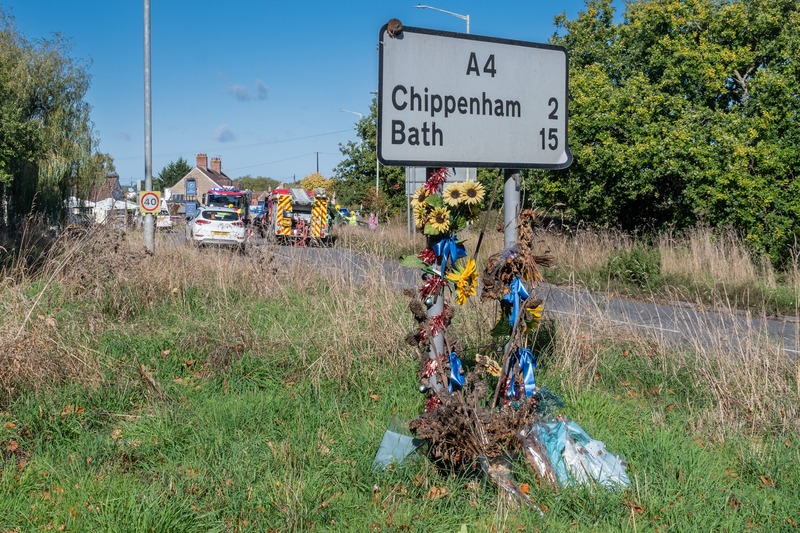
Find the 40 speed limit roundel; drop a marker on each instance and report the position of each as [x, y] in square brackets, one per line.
[149, 201]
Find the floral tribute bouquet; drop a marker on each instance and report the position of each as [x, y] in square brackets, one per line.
[471, 419]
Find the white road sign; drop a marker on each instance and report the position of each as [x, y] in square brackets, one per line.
[458, 100]
[149, 201]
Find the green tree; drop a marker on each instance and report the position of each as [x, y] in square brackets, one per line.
[683, 112]
[47, 140]
[354, 176]
[257, 184]
[171, 174]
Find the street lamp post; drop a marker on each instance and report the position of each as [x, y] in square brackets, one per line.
[360, 116]
[465, 17]
[377, 163]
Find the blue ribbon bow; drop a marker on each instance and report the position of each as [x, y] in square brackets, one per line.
[526, 364]
[455, 372]
[518, 294]
[449, 247]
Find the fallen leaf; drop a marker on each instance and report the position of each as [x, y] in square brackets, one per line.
[375, 396]
[117, 433]
[13, 445]
[164, 353]
[190, 362]
[525, 488]
[50, 321]
[436, 493]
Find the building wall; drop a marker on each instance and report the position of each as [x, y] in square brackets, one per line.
[204, 184]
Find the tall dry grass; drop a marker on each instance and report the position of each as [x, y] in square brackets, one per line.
[342, 321]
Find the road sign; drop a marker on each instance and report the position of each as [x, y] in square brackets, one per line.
[416, 176]
[458, 100]
[149, 202]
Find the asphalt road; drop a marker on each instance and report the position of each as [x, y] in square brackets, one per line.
[677, 323]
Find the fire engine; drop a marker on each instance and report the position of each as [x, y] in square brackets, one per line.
[240, 200]
[298, 215]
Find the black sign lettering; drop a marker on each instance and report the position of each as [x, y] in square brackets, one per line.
[473, 65]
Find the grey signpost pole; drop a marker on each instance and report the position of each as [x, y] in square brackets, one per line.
[511, 202]
[149, 220]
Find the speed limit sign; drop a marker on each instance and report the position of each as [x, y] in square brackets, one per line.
[149, 202]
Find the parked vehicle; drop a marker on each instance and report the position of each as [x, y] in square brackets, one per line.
[297, 215]
[236, 200]
[344, 212]
[216, 225]
[164, 220]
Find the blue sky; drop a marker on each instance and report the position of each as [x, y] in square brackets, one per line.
[259, 84]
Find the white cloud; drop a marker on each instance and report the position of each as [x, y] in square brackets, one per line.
[224, 134]
[242, 94]
[261, 90]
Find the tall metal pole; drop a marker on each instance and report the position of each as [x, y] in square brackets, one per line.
[149, 220]
[511, 211]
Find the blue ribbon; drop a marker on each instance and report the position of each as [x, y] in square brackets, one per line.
[449, 247]
[518, 294]
[455, 372]
[526, 364]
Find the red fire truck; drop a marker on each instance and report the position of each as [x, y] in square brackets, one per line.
[297, 215]
[239, 200]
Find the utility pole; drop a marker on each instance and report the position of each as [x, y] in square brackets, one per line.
[317, 162]
[149, 220]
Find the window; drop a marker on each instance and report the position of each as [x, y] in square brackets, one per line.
[225, 216]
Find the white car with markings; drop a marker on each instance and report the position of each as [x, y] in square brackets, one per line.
[216, 225]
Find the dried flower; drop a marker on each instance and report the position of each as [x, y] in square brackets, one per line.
[435, 181]
[428, 256]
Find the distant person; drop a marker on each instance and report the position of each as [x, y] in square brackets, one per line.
[352, 219]
[373, 221]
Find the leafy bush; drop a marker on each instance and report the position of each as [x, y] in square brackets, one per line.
[639, 265]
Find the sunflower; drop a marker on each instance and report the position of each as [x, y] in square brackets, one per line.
[472, 192]
[452, 194]
[536, 314]
[420, 215]
[440, 219]
[466, 279]
[420, 195]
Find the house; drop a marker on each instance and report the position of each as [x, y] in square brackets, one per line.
[200, 180]
[106, 199]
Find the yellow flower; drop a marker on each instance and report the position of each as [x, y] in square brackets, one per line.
[466, 279]
[420, 215]
[453, 195]
[536, 313]
[440, 219]
[420, 195]
[472, 192]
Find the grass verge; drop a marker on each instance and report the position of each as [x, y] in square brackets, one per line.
[212, 392]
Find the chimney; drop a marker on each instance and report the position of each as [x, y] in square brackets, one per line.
[216, 164]
[202, 160]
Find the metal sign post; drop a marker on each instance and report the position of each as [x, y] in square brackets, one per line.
[149, 219]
